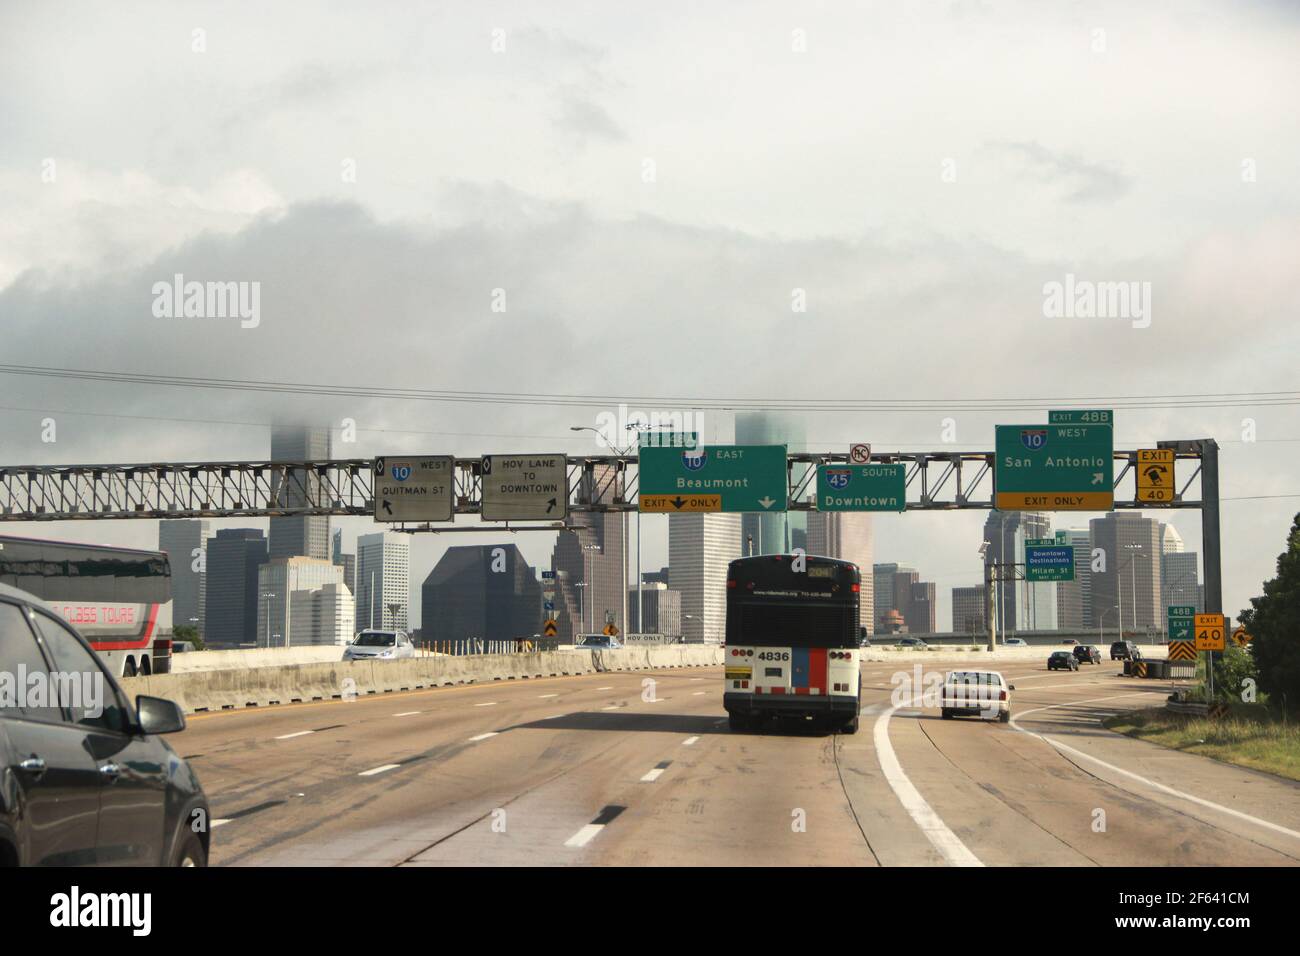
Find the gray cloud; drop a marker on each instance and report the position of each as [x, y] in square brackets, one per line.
[1082, 181]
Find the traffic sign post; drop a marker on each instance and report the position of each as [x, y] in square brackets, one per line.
[734, 478]
[1210, 638]
[1061, 466]
[414, 489]
[861, 488]
[524, 487]
[1046, 560]
[1155, 474]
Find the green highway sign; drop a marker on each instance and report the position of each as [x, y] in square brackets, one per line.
[1082, 416]
[861, 488]
[1182, 621]
[1065, 467]
[668, 439]
[713, 478]
[1046, 560]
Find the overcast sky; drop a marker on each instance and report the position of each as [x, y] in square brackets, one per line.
[650, 185]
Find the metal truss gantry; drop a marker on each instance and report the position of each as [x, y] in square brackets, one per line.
[936, 481]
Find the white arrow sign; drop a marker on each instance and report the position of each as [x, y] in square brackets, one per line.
[767, 502]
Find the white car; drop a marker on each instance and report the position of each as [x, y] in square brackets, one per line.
[373, 644]
[1015, 642]
[978, 694]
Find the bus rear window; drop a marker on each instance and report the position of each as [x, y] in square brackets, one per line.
[792, 625]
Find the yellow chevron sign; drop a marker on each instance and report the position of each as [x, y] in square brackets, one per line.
[1182, 650]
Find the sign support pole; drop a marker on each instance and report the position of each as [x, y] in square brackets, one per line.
[1210, 526]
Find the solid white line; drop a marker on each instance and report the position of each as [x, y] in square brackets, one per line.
[604, 688]
[491, 733]
[585, 835]
[301, 733]
[653, 775]
[1154, 785]
[689, 741]
[406, 713]
[699, 693]
[216, 823]
[697, 678]
[374, 770]
[615, 707]
[936, 831]
[490, 703]
[544, 696]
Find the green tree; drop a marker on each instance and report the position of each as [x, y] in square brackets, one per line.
[1231, 671]
[188, 632]
[1274, 622]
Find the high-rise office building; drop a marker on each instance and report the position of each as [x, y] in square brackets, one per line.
[1132, 547]
[700, 546]
[306, 535]
[1180, 581]
[486, 592]
[968, 610]
[588, 559]
[326, 615]
[663, 611]
[847, 537]
[383, 580]
[348, 562]
[920, 605]
[886, 596]
[186, 544]
[1171, 542]
[1074, 598]
[279, 582]
[781, 532]
[230, 588]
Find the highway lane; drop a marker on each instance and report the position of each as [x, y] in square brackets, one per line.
[584, 770]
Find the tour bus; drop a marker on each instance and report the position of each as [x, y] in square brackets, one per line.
[792, 645]
[118, 598]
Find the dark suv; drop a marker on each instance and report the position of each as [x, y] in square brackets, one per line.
[1125, 651]
[1087, 654]
[83, 777]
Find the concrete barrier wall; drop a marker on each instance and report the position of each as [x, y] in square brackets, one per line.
[209, 690]
[998, 654]
[191, 661]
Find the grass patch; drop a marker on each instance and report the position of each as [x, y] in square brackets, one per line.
[1250, 736]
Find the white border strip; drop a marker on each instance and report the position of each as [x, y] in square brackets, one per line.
[936, 831]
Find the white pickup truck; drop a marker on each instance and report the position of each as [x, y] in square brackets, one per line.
[976, 693]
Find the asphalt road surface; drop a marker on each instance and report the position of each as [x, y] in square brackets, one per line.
[595, 770]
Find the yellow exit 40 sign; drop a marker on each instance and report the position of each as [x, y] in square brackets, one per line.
[1155, 474]
[1210, 630]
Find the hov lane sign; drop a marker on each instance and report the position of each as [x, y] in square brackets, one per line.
[524, 487]
[413, 489]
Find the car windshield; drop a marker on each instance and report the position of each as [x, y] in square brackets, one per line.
[375, 639]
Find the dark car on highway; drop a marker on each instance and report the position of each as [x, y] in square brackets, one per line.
[1125, 651]
[84, 777]
[1062, 660]
[1087, 654]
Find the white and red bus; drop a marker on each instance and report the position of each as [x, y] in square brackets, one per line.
[792, 647]
[119, 599]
